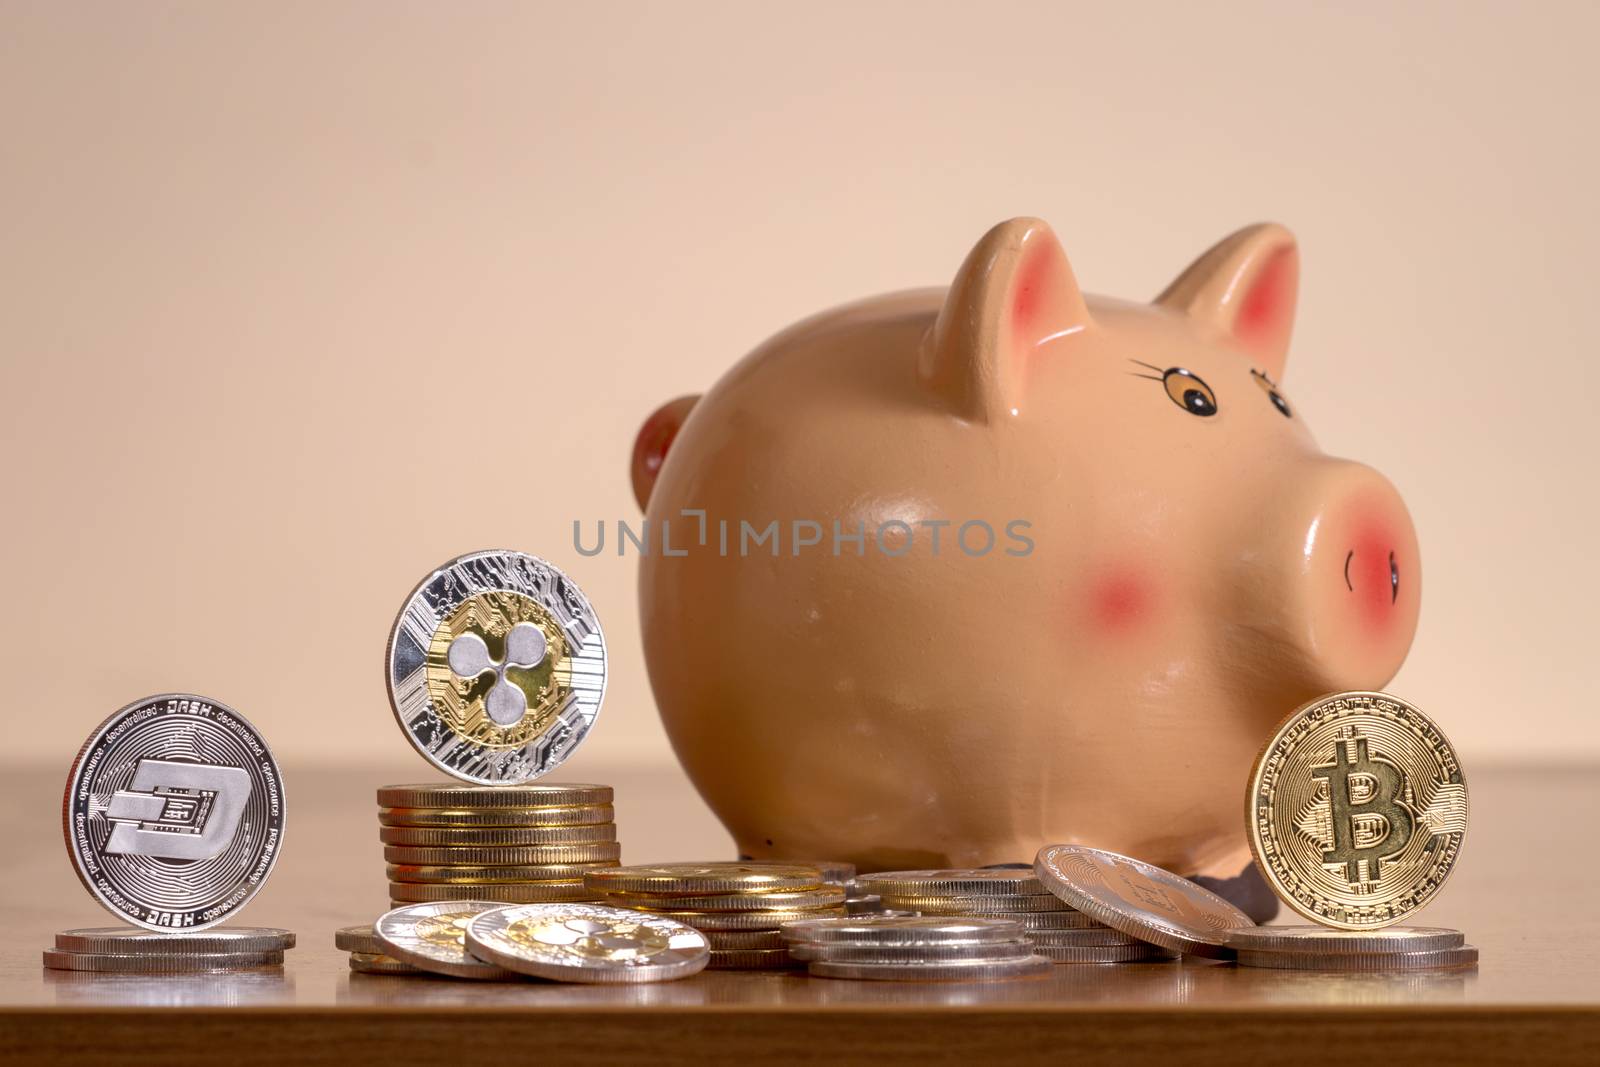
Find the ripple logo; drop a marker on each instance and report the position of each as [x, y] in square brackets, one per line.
[469, 657]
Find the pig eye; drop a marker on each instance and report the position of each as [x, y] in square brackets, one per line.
[1189, 392]
[1270, 387]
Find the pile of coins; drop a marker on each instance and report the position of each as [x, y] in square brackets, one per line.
[739, 907]
[914, 949]
[121, 949]
[480, 940]
[1317, 948]
[1057, 931]
[513, 844]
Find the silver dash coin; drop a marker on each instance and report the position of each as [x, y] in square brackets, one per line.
[1140, 899]
[433, 937]
[496, 667]
[358, 939]
[887, 930]
[126, 940]
[148, 963]
[588, 943]
[174, 812]
[976, 971]
[992, 952]
[1324, 940]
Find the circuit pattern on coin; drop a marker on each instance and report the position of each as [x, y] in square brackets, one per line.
[496, 667]
[1357, 810]
[174, 812]
[588, 943]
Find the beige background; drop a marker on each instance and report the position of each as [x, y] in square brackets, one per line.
[298, 300]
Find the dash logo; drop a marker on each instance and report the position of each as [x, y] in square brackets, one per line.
[177, 811]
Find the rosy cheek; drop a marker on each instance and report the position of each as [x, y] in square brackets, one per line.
[1119, 602]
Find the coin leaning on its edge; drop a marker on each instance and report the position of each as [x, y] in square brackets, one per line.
[1356, 810]
[1140, 899]
[496, 667]
[174, 812]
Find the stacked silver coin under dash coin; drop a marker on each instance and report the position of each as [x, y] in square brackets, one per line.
[126, 950]
[914, 949]
[1319, 948]
[1057, 931]
[174, 819]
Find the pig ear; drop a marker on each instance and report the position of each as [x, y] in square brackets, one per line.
[1013, 300]
[1245, 286]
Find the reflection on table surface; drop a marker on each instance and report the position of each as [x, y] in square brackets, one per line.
[1528, 917]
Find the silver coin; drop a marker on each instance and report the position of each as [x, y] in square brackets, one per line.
[977, 905]
[378, 963]
[927, 952]
[588, 943]
[1100, 937]
[433, 937]
[1139, 953]
[744, 940]
[1058, 920]
[1460, 956]
[358, 939]
[125, 940]
[976, 971]
[1140, 899]
[174, 813]
[1323, 940]
[149, 963]
[886, 930]
[496, 667]
[978, 881]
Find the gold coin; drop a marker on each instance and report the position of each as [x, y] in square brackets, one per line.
[503, 893]
[696, 879]
[378, 963]
[478, 818]
[1357, 810]
[753, 959]
[358, 939]
[708, 922]
[441, 875]
[497, 836]
[463, 856]
[827, 896]
[459, 795]
[976, 905]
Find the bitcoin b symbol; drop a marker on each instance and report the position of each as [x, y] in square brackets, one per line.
[1369, 821]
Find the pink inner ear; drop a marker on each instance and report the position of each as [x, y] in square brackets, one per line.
[1031, 290]
[1268, 306]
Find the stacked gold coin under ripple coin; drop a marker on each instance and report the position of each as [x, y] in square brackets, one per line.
[1317, 948]
[929, 948]
[125, 950]
[366, 952]
[512, 844]
[738, 906]
[1056, 930]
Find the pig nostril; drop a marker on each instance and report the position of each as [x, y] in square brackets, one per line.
[1347, 560]
[1394, 579]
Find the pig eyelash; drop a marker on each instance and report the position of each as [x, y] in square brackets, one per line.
[1160, 374]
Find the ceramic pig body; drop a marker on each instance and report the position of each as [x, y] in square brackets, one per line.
[1194, 567]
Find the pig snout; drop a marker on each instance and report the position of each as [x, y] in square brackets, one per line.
[1355, 577]
[655, 438]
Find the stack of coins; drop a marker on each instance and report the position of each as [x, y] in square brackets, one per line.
[514, 844]
[1317, 948]
[738, 906]
[914, 949]
[1057, 930]
[129, 951]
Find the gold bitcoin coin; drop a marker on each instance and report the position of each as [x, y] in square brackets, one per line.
[504, 893]
[433, 874]
[1357, 810]
[497, 836]
[498, 818]
[827, 896]
[501, 856]
[699, 879]
[461, 795]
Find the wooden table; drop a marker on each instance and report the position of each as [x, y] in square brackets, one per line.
[1525, 893]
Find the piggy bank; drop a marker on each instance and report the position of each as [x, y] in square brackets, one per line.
[940, 577]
